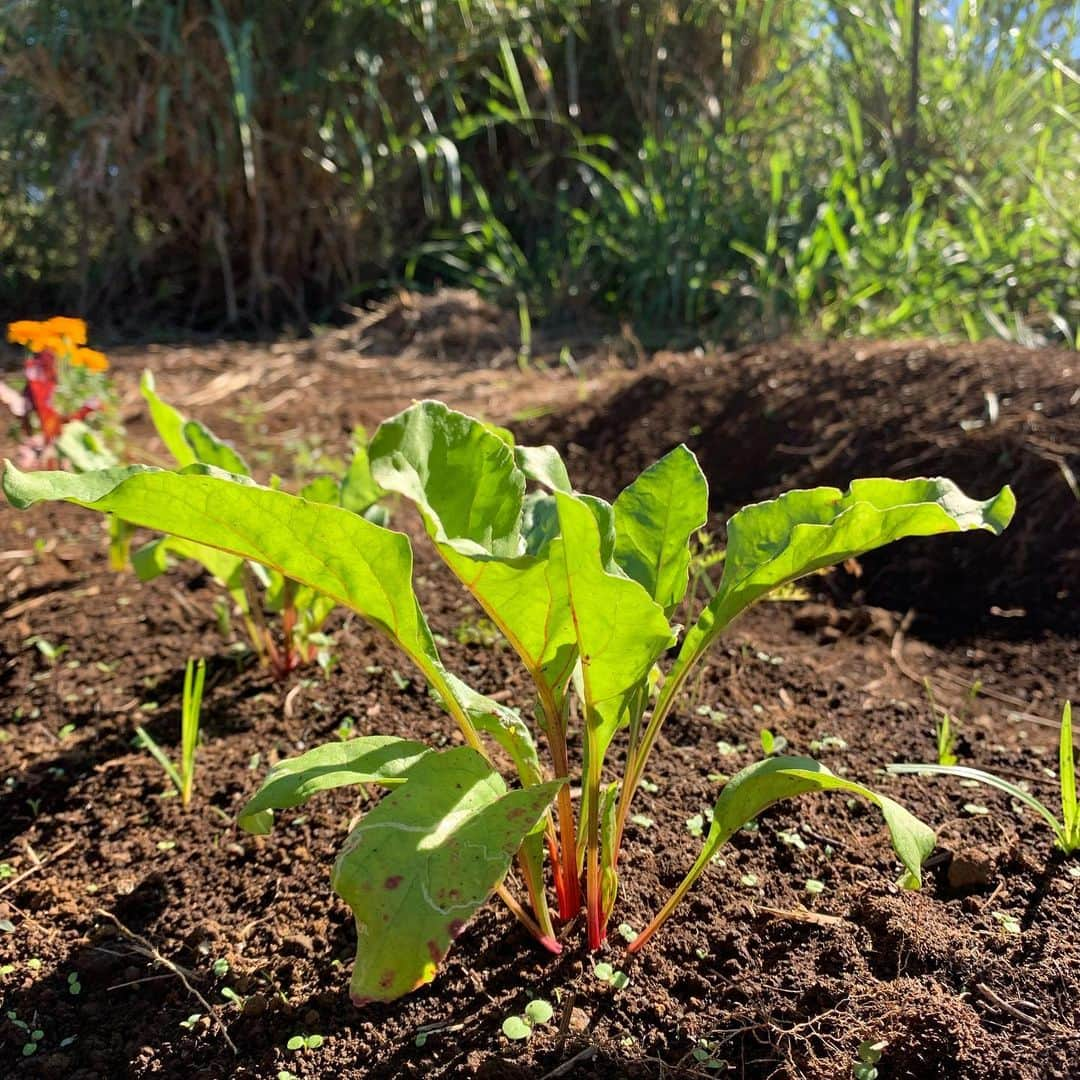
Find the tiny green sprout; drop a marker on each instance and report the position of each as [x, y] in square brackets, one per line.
[944, 735]
[1067, 830]
[7, 926]
[704, 1055]
[420, 1040]
[223, 617]
[345, 729]
[814, 887]
[65, 731]
[229, 994]
[284, 1074]
[1009, 923]
[749, 881]
[792, 838]
[51, 652]
[34, 963]
[617, 980]
[627, 932]
[6, 969]
[182, 778]
[221, 967]
[828, 742]
[304, 1042]
[74, 986]
[649, 787]
[191, 1021]
[695, 825]
[869, 1054]
[642, 821]
[772, 744]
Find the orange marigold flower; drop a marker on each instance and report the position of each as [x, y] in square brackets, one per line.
[91, 359]
[23, 332]
[72, 329]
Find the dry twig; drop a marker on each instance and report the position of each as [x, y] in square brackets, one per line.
[149, 951]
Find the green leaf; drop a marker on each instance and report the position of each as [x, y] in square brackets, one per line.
[359, 492]
[1070, 810]
[323, 489]
[79, 444]
[152, 560]
[539, 1011]
[469, 491]
[505, 726]
[620, 629]
[654, 519]
[772, 543]
[373, 759]
[340, 554]
[455, 468]
[419, 865]
[543, 465]
[168, 422]
[965, 772]
[758, 786]
[211, 450]
[516, 1027]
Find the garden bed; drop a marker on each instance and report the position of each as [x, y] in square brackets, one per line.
[977, 976]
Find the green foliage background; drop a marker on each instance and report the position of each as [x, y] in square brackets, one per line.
[699, 167]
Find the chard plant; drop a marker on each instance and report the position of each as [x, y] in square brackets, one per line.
[258, 593]
[584, 591]
[1067, 830]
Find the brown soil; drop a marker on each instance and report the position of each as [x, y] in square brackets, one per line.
[977, 976]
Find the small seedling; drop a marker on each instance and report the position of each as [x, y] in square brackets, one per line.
[1009, 923]
[617, 980]
[869, 1053]
[183, 779]
[74, 986]
[521, 1027]
[772, 744]
[51, 652]
[814, 887]
[695, 825]
[944, 735]
[221, 967]
[704, 1054]
[33, 1035]
[1067, 831]
[191, 1021]
[304, 1042]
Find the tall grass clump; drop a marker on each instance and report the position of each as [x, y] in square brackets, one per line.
[713, 168]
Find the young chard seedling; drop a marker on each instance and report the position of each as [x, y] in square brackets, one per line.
[1067, 830]
[585, 592]
[256, 591]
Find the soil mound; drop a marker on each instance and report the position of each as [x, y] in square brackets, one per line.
[802, 414]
